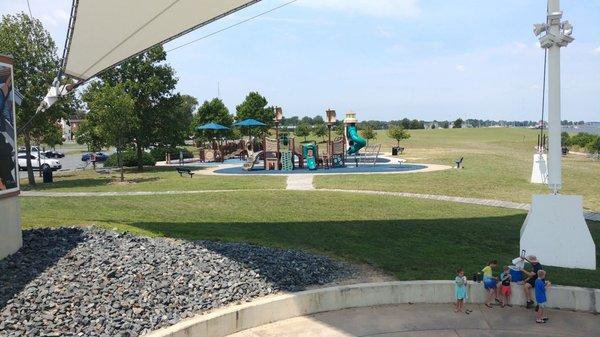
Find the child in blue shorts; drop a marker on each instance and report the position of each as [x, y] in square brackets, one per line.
[541, 285]
[490, 283]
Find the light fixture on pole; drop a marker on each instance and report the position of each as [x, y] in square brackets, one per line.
[277, 119]
[555, 229]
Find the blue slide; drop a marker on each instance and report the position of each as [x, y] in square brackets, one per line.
[356, 142]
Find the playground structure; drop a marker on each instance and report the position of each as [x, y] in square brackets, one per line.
[284, 153]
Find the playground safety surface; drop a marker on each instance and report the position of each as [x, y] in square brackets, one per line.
[350, 168]
[430, 320]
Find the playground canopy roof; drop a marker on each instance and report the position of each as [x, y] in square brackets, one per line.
[104, 33]
[250, 122]
[212, 126]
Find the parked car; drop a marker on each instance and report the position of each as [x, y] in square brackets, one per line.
[54, 154]
[33, 149]
[42, 163]
[100, 156]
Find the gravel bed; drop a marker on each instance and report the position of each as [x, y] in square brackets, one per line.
[91, 282]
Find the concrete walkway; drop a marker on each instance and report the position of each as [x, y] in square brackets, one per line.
[426, 320]
[300, 182]
[130, 194]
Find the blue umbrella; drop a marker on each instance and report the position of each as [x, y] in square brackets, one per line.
[250, 122]
[212, 126]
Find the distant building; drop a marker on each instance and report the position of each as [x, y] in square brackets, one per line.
[70, 127]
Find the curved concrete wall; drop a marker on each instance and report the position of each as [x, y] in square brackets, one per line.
[272, 309]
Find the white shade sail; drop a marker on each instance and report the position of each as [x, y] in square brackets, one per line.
[103, 33]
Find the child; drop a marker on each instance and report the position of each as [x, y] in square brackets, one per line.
[490, 283]
[541, 285]
[460, 290]
[506, 278]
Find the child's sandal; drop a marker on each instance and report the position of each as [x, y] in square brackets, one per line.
[488, 305]
[540, 321]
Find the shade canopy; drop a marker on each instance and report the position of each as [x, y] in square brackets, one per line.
[212, 126]
[104, 33]
[250, 122]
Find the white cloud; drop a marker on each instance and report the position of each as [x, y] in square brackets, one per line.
[383, 32]
[377, 8]
[596, 51]
[461, 67]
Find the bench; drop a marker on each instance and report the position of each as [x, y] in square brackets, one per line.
[459, 162]
[182, 170]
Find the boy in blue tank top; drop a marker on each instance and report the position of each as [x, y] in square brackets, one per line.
[541, 285]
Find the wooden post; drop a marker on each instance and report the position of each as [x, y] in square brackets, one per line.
[277, 140]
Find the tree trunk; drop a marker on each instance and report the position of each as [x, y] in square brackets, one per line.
[139, 156]
[120, 159]
[30, 176]
[39, 160]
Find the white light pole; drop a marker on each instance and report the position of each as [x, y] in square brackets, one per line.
[555, 229]
[558, 35]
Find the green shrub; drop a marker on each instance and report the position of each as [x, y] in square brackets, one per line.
[594, 145]
[129, 159]
[582, 139]
[160, 153]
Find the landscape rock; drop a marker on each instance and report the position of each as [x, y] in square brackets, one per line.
[92, 282]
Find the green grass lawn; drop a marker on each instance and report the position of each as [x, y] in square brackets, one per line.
[410, 238]
[152, 179]
[497, 166]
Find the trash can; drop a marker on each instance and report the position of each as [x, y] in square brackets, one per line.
[395, 151]
[47, 174]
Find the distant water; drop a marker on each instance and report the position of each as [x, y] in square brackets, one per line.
[593, 129]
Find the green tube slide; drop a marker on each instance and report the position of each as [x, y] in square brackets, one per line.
[356, 142]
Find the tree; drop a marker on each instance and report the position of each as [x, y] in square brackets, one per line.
[593, 147]
[255, 106]
[291, 121]
[302, 130]
[405, 123]
[112, 114]
[150, 82]
[565, 139]
[416, 124]
[320, 130]
[318, 119]
[457, 123]
[214, 111]
[89, 134]
[445, 125]
[339, 128]
[35, 66]
[368, 133]
[398, 133]
[176, 113]
[307, 120]
[582, 139]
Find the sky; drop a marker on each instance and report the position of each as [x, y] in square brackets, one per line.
[383, 59]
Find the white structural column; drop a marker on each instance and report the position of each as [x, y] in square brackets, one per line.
[555, 229]
[558, 35]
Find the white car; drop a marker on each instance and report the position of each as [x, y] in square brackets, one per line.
[43, 162]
